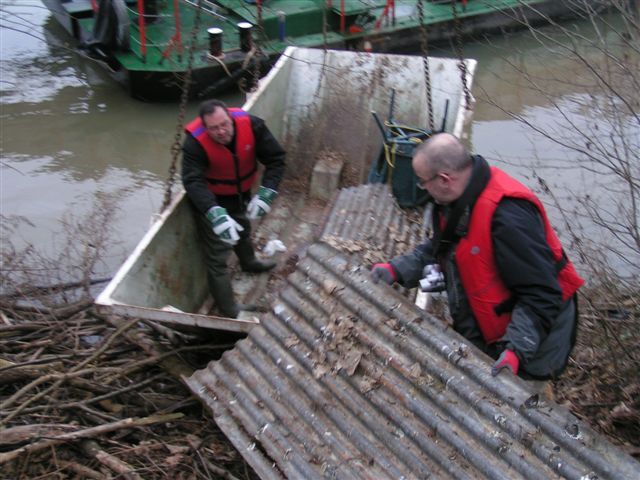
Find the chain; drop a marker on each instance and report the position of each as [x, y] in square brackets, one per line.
[462, 66]
[425, 60]
[325, 23]
[184, 98]
[258, 48]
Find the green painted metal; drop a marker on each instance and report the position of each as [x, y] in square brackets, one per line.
[369, 25]
[303, 26]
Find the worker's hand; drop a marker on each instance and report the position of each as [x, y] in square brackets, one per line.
[508, 359]
[225, 227]
[260, 204]
[384, 272]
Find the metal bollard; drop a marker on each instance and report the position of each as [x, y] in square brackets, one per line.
[281, 25]
[245, 30]
[215, 42]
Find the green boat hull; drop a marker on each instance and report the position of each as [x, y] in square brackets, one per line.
[152, 53]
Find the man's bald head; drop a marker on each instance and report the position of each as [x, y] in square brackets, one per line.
[443, 167]
[443, 151]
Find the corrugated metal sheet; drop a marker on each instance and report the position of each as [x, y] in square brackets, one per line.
[349, 380]
[367, 220]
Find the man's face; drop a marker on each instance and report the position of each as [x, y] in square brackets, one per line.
[219, 126]
[442, 186]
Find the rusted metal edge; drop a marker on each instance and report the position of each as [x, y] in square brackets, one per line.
[178, 318]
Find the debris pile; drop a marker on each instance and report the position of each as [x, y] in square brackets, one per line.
[79, 398]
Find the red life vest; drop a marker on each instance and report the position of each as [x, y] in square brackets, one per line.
[476, 262]
[227, 170]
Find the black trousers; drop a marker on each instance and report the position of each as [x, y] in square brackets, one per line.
[216, 253]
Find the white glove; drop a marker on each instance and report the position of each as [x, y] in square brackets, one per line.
[225, 227]
[260, 204]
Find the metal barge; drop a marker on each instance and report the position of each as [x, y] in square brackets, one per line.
[151, 45]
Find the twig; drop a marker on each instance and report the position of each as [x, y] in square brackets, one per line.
[175, 338]
[23, 433]
[53, 288]
[59, 377]
[82, 471]
[171, 363]
[89, 401]
[6, 320]
[164, 357]
[221, 472]
[58, 312]
[96, 415]
[15, 372]
[88, 433]
[30, 326]
[56, 384]
[123, 468]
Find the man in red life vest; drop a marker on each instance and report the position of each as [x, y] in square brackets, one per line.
[219, 166]
[511, 289]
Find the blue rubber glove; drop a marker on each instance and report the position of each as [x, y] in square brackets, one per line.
[384, 272]
[507, 359]
[225, 227]
[260, 204]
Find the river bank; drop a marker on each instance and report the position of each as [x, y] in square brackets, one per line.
[71, 137]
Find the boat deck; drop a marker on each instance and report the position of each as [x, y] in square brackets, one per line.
[166, 46]
[150, 57]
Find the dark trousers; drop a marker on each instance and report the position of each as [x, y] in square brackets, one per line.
[216, 253]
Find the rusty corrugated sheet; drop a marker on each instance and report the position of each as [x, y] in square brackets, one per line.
[346, 379]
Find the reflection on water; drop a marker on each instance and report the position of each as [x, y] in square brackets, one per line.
[69, 131]
[33, 70]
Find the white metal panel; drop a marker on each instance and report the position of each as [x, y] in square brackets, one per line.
[313, 101]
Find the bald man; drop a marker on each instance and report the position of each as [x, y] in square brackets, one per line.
[511, 288]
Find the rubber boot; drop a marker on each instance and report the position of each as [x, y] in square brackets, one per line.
[248, 261]
[222, 294]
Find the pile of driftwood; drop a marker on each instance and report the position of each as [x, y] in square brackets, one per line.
[83, 396]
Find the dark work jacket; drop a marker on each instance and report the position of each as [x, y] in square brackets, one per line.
[195, 165]
[542, 328]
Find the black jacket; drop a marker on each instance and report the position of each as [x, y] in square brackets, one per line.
[195, 163]
[542, 327]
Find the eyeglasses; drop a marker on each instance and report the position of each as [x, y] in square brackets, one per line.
[422, 184]
[225, 125]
